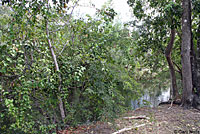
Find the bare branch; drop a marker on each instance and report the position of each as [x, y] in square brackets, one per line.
[62, 112]
[137, 117]
[128, 128]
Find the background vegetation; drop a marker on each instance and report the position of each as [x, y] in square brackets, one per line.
[90, 75]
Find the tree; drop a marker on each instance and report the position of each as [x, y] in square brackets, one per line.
[191, 96]
[198, 60]
[187, 96]
[159, 30]
[168, 52]
[186, 35]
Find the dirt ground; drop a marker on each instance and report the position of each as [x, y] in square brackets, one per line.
[160, 120]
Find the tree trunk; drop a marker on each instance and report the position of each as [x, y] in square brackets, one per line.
[187, 96]
[198, 61]
[196, 80]
[193, 65]
[61, 107]
[168, 52]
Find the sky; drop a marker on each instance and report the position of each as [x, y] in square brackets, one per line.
[120, 6]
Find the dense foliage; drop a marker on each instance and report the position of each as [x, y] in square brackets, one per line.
[95, 80]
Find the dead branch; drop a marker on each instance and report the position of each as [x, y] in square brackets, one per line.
[128, 128]
[137, 117]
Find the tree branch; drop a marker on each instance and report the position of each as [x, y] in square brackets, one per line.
[57, 70]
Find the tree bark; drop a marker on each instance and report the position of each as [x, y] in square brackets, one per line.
[187, 96]
[198, 61]
[168, 52]
[193, 65]
[61, 107]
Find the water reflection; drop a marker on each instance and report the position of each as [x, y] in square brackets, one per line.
[151, 100]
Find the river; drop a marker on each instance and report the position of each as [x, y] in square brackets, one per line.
[151, 100]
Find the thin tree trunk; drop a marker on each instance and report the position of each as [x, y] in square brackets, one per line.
[168, 52]
[193, 65]
[198, 60]
[187, 96]
[196, 72]
[62, 112]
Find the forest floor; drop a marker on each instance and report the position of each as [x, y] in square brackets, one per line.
[159, 120]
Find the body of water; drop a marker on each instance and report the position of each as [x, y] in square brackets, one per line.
[151, 100]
